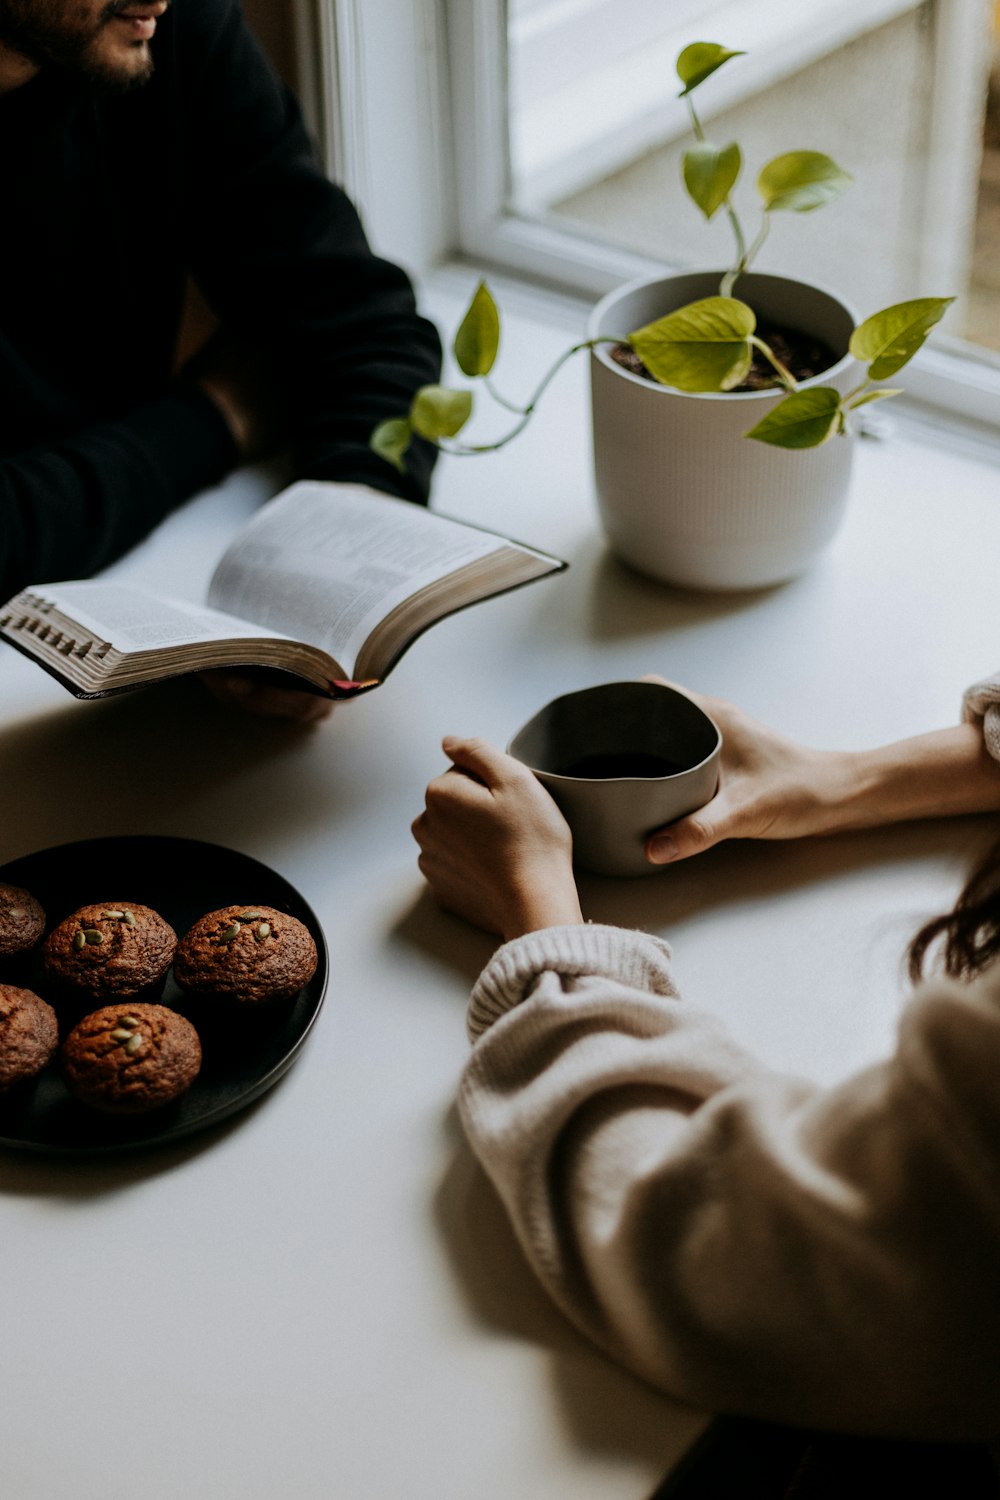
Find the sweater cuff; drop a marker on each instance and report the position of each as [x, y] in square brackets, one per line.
[188, 440]
[362, 466]
[635, 959]
[982, 701]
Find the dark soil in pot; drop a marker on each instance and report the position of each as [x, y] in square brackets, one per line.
[802, 354]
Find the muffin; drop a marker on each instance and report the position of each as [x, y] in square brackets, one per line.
[114, 950]
[29, 1035]
[22, 921]
[131, 1058]
[250, 954]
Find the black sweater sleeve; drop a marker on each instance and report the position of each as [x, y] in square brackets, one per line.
[72, 506]
[114, 199]
[281, 254]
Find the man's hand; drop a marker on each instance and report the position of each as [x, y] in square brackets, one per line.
[241, 690]
[495, 849]
[233, 375]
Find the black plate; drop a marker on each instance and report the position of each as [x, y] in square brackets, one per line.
[181, 879]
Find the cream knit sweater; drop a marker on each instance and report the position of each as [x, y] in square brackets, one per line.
[745, 1240]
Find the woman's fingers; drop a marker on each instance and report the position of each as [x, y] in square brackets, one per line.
[706, 704]
[691, 835]
[478, 758]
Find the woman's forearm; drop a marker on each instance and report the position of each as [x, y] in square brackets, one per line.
[941, 774]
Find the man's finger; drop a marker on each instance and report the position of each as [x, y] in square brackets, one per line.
[266, 700]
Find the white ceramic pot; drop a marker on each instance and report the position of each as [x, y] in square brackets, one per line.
[684, 497]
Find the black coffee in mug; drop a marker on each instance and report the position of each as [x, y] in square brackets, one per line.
[616, 765]
[620, 760]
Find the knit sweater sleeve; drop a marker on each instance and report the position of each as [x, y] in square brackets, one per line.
[981, 702]
[743, 1239]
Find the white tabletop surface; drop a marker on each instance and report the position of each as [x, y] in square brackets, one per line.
[321, 1298]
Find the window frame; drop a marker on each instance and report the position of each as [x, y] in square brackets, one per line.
[443, 63]
[396, 164]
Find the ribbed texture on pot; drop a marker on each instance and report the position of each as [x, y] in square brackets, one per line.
[686, 498]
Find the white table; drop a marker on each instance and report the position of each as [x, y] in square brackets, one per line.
[321, 1299]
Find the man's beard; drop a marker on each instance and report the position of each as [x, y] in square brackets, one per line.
[38, 31]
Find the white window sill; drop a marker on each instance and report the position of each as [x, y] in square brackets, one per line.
[950, 400]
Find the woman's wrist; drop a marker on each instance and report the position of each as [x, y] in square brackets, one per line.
[945, 773]
[531, 910]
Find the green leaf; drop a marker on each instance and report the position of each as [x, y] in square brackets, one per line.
[478, 337]
[870, 396]
[888, 339]
[390, 441]
[699, 61]
[800, 181]
[805, 419]
[709, 174]
[701, 347]
[438, 411]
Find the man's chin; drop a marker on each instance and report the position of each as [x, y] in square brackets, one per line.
[117, 70]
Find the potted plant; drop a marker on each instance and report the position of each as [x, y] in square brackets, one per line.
[684, 372]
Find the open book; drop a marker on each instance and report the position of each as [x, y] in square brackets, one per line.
[331, 582]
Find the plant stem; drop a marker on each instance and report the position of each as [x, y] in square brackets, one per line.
[858, 390]
[746, 257]
[741, 252]
[787, 378]
[742, 258]
[695, 122]
[463, 449]
[500, 400]
[765, 229]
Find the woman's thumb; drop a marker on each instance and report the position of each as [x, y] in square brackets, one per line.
[477, 757]
[691, 835]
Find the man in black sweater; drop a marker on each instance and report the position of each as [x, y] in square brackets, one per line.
[141, 146]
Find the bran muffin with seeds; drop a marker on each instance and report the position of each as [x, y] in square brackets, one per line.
[108, 951]
[129, 1059]
[249, 954]
[29, 1035]
[22, 921]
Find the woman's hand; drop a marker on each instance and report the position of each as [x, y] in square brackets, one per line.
[772, 788]
[495, 849]
[769, 788]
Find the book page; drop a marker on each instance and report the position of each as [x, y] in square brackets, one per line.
[131, 619]
[325, 563]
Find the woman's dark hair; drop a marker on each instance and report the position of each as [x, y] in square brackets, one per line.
[970, 932]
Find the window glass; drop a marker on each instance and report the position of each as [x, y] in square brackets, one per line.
[982, 323]
[904, 99]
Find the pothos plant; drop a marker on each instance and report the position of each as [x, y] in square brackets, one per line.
[707, 345]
